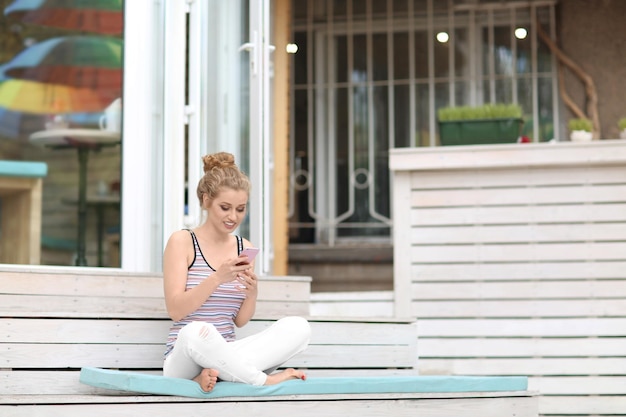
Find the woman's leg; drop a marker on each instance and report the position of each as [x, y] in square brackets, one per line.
[200, 346]
[272, 347]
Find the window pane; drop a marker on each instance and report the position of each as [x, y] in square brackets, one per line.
[462, 93]
[341, 58]
[360, 129]
[379, 61]
[400, 8]
[546, 115]
[301, 125]
[382, 144]
[503, 57]
[524, 56]
[420, 8]
[379, 9]
[300, 58]
[441, 99]
[421, 54]
[359, 72]
[461, 53]
[544, 58]
[525, 95]
[61, 79]
[402, 115]
[381, 118]
[401, 56]
[301, 172]
[504, 93]
[340, 9]
[342, 150]
[358, 10]
[485, 93]
[299, 10]
[422, 99]
[442, 58]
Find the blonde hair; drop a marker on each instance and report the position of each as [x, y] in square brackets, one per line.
[220, 171]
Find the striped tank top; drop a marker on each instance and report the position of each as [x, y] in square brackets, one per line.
[220, 308]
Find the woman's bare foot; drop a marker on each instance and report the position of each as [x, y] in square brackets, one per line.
[207, 379]
[284, 375]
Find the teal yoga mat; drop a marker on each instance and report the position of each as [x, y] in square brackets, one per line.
[160, 385]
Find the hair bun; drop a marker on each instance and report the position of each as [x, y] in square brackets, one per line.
[218, 160]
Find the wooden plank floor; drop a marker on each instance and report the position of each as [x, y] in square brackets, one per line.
[431, 405]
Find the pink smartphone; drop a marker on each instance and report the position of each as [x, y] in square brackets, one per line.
[250, 253]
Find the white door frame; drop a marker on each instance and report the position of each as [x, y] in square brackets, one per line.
[261, 161]
[153, 152]
[142, 167]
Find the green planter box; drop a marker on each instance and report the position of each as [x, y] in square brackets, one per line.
[480, 131]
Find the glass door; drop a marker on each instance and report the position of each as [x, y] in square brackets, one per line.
[216, 98]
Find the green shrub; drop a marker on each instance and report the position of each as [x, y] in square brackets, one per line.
[622, 123]
[580, 124]
[487, 111]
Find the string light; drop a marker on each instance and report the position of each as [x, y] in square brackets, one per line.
[443, 37]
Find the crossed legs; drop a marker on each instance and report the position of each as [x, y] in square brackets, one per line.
[202, 354]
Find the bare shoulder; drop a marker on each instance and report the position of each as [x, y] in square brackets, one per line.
[247, 243]
[180, 237]
[178, 255]
[179, 245]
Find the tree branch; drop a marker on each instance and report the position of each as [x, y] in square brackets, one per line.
[590, 88]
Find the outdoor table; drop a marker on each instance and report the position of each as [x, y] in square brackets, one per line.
[100, 203]
[83, 140]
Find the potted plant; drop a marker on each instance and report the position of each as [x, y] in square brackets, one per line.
[580, 130]
[486, 124]
[621, 123]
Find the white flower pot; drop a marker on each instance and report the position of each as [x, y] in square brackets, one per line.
[622, 134]
[580, 136]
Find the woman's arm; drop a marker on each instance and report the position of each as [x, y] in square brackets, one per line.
[177, 256]
[249, 282]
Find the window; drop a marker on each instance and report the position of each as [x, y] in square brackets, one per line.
[370, 75]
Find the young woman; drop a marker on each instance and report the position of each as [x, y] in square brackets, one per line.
[210, 288]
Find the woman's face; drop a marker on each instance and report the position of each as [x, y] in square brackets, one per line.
[227, 210]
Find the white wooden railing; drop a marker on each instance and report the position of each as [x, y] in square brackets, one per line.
[513, 260]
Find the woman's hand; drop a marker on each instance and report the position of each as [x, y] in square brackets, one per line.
[231, 269]
[248, 283]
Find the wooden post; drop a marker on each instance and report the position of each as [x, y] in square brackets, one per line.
[282, 36]
[21, 220]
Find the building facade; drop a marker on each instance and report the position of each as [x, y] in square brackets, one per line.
[312, 128]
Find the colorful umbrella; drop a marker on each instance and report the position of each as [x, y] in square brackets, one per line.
[80, 61]
[26, 105]
[39, 98]
[98, 16]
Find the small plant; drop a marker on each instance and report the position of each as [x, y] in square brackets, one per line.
[580, 124]
[621, 123]
[487, 111]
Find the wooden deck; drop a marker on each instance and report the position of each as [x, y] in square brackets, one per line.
[58, 320]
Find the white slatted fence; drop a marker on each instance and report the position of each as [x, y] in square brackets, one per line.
[513, 259]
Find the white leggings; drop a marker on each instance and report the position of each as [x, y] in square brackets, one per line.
[248, 360]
